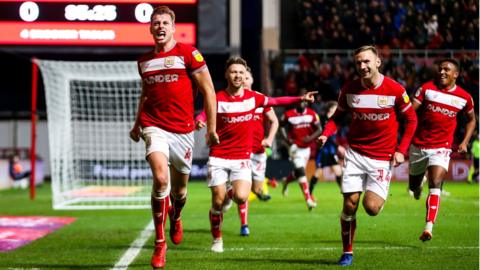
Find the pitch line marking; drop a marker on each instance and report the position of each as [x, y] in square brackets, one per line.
[136, 246]
[134, 249]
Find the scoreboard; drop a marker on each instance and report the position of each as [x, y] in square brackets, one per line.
[90, 22]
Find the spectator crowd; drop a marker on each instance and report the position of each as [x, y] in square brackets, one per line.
[348, 24]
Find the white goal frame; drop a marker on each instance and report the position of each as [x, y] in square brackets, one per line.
[91, 107]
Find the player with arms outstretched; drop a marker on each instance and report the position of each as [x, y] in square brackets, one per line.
[374, 101]
[438, 103]
[165, 122]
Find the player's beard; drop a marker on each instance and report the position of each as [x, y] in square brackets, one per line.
[237, 84]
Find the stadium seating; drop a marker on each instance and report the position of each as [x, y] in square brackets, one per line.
[390, 24]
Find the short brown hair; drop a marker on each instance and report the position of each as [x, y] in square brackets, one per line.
[163, 10]
[366, 48]
[235, 60]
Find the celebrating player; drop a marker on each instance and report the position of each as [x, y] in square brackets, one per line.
[373, 101]
[438, 103]
[303, 126]
[258, 156]
[229, 161]
[165, 122]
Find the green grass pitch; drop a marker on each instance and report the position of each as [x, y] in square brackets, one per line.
[284, 234]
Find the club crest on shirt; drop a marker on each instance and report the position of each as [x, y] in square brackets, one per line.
[455, 102]
[382, 101]
[355, 100]
[169, 61]
[197, 55]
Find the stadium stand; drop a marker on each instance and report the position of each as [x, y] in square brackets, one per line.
[389, 24]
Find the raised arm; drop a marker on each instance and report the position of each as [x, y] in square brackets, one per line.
[205, 85]
[287, 100]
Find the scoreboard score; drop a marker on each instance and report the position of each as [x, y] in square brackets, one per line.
[90, 22]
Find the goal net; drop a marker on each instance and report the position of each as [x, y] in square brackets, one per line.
[91, 107]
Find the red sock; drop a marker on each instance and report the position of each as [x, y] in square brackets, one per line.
[159, 213]
[348, 232]
[433, 203]
[305, 190]
[177, 206]
[243, 213]
[216, 218]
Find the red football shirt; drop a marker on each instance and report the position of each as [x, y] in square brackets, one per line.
[166, 79]
[234, 123]
[300, 125]
[438, 114]
[373, 129]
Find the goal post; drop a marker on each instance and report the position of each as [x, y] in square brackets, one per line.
[91, 107]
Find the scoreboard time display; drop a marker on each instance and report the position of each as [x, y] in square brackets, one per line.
[90, 22]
